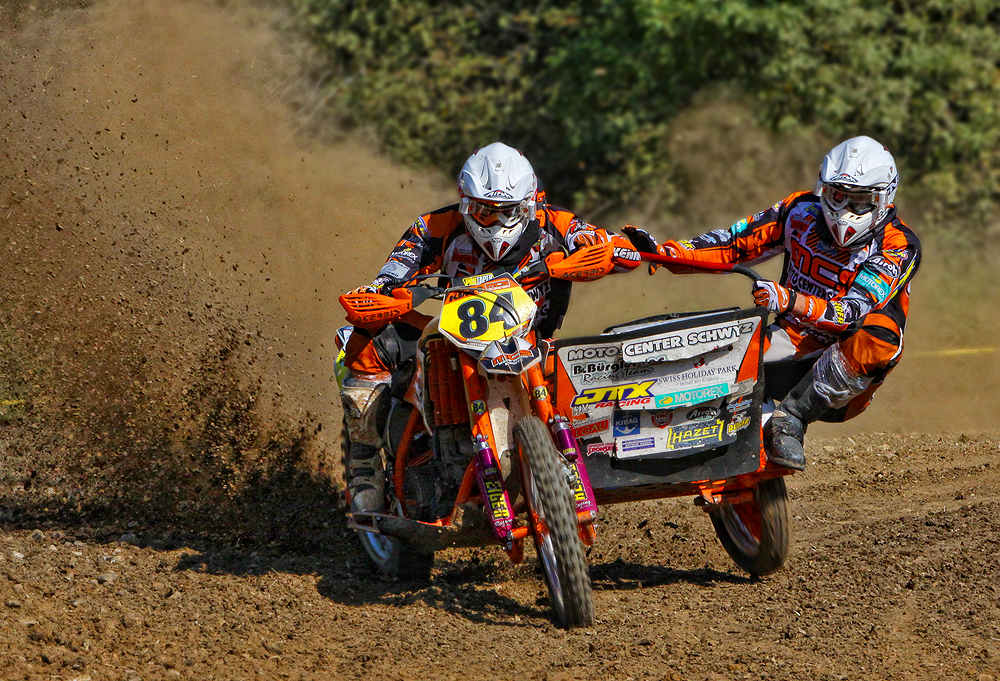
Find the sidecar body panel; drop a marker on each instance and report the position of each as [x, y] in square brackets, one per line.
[666, 400]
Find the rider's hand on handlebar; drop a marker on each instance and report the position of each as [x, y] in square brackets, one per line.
[367, 288]
[772, 295]
[642, 241]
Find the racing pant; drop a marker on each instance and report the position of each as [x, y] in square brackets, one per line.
[846, 374]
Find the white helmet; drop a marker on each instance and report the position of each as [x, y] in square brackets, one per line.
[497, 189]
[856, 186]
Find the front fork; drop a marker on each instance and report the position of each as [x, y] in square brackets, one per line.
[488, 476]
[566, 444]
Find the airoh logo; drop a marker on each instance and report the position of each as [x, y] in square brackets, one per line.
[499, 194]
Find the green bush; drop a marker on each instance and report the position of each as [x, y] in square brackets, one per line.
[590, 90]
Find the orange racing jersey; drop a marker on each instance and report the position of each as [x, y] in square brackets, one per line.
[439, 243]
[840, 285]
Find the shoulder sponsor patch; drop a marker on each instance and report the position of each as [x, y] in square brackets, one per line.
[885, 266]
[872, 283]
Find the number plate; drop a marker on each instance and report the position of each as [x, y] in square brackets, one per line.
[473, 318]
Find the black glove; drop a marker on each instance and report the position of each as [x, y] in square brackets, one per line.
[643, 242]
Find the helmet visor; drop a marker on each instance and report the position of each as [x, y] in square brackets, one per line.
[858, 200]
[488, 213]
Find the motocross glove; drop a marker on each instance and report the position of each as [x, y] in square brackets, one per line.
[772, 295]
[367, 288]
[643, 242]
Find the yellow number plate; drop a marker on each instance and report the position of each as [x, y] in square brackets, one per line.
[474, 318]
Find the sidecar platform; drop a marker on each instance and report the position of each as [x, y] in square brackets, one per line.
[665, 402]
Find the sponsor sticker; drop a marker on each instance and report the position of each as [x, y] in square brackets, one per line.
[614, 392]
[579, 494]
[495, 493]
[872, 283]
[702, 414]
[693, 396]
[637, 444]
[592, 352]
[394, 269]
[606, 448]
[695, 435]
[477, 279]
[587, 409]
[593, 428]
[885, 266]
[661, 419]
[689, 343]
[626, 424]
[739, 422]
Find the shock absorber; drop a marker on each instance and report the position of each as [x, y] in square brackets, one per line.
[565, 441]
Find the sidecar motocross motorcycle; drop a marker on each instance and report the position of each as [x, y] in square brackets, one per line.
[492, 435]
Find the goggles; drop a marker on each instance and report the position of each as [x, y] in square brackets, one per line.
[487, 213]
[858, 200]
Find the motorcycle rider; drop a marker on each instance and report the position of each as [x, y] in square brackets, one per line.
[844, 289]
[502, 223]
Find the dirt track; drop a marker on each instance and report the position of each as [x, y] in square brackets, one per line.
[172, 253]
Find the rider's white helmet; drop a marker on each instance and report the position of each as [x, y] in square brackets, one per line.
[856, 187]
[497, 191]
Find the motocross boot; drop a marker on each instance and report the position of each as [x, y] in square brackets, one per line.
[788, 424]
[362, 396]
[366, 478]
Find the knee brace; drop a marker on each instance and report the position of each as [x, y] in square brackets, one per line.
[360, 395]
[836, 380]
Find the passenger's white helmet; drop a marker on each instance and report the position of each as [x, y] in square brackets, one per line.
[856, 186]
[497, 190]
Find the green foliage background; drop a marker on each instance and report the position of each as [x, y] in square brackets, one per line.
[591, 90]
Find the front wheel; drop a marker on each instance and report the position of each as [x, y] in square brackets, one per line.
[552, 512]
[755, 533]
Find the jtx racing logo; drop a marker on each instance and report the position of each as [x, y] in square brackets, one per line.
[607, 393]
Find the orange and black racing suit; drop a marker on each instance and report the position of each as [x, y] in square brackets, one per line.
[856, 299]
[439, 243]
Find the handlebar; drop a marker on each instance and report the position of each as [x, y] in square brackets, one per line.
[703, 266]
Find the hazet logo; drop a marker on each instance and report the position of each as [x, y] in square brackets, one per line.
[690, 436]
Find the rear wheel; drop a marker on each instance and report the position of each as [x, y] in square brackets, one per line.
[755, 533]
[391, 556]
[552, 511]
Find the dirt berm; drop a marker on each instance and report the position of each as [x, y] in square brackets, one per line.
[172, 246]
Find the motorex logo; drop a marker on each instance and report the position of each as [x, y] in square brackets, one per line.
[692, 396]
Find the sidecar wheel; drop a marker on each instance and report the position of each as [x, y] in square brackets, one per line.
[392, 557]
[755, 534]
[557, 542]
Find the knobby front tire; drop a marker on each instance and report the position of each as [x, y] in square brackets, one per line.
[552, 510]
